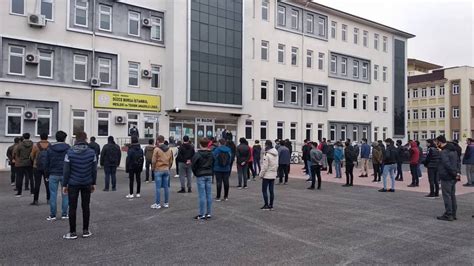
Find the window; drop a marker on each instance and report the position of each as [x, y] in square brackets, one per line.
[132, 120]
[320, 132]
[365, 132]
[384, 43]
[309, 59]
[415, 115]
[432, 134]
[309, 130]
[415, 135]
[365, 38]
[80, 68]
[333, 64]
[281, 53]
[441, 90]
[16, 60]
[155, 76]
[294, 19]
[294, 56]
[309, 96]
[78, 121]
[103, 124]
[263, 90]
[355, 133]
[408, 114]
[17, 7]
[105, 70]
[133, 73]
[45, 66]
[424, 114]
[333, 98]
[263, 130]
[364, 102]
[309, 23]
[344, 66]
[376, 72]
[280, 130]
[355, 69]
[47, 9]
[441, 132]
[14, 126]
[356, 35]
[280, 93]
[343, 132]
[155, 29]
[81, 13]
[321, 26]
[423, 93]
[365, 70]
[433, 113]
[432, 91]
[455, 135]
[343, 99]
[264, 50]
[355, 104]
[294, 94]
[133, 23]
[384, 133]
[293, 131]
[376, 41]
[43, 123]
[105, 18]
[384, 73]
[384, 104]
[408, 93]
[320, 97]
[376, 133]
[344, 33]
[455, 88]
[321, 61]
[332, 133]
[456, 112]
[249, 129]
[376, 103]
[333, 29]
[415, 93]
[265, 10]
[281, 16]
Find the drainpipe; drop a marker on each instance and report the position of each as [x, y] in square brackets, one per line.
[303, 91]
[91, 124]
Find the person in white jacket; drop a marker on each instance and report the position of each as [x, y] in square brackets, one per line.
[268, 174]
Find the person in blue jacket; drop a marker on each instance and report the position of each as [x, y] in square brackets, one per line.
[222, 168]
[338, 158]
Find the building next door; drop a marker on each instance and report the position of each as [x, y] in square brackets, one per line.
[204, 129]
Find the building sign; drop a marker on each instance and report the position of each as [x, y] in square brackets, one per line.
[204, 121]
[127, 101]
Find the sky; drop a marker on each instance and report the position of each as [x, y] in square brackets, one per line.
[444, 28]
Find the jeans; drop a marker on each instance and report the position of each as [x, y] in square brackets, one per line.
[399, 172]
[147, 171]
[389, 169]
[242, 174]
[12, 174]
[308, 168]
[470, 173]
[250, 170]
[27, 172]
[349, 174]
[54, 181]
[132, 177]
[337, 165]
[222, 177]
[330, 160]
[377, 171]
[283, 171]
[316, 171]
[185, 173]
[110, 173]
[448, 188]
[40, 174]
[365, 166]
[256, 165]
[324, 161]
[162, 181]
[205, 194]
[267, 186]
[418, 170]
[73, 193]
[433, 179]
[414, 174]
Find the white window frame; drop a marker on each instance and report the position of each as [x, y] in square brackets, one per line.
[19, 14]
[384, 43]
[356, 36]
[424, 114]
[293, 127]
[281, 88]
[334, 29]
[333, 97]
[415, 114]
[333, 64]
[8, 114]
[264, 125]
[332, 133]
[281, 126]
[309, 129]
[105, 13]
[424, 92]
[344, 32]
[441, 91]
[156, 70]
[432, 113]
[281, 50]
[456, 112]
[456, 88]
[343, 99]
[294, 19]
[355, 69]
[75, 62]
[281, 12]
[264, 46]
[83, 118]
[130, 18]
[432, 134]
[376, 41]
[309, 58]
[108, 66]
[365, 38]
[455, 135]
[365, 70]
[156, 22]
[384, 104]
[308, 92]
[432, 91]
[136, 70]
[355, 101]
[49, 116]
[365, 98]
[52, 8]
[86, 8]
[321, 61]
[384, 73]
[264, 86]
[132, 119]
[249, 124]
[310, 23]
[46, 58]
[321, 26]
[344, 66]
[15, 54]
[294, 90]
[294, 55]
[415, 93]
[265, 7]
[376, 103]
[103, 119]
[376, 72]
[320, 98]
[343, 132]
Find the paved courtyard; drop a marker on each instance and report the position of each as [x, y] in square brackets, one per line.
[336, 225]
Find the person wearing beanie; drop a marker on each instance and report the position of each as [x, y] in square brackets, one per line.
[110, 159]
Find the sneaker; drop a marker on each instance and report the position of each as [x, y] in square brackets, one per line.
[86, 233]
[105, 189]
[182, 190]
[374, 181]
[286, 183]
[64, 217]
[189, 190]
[226, 199]
[166, 205]
[411, 185]
[199, 217]
[391, 190]
[445, 218]
[147, 182]
[311, 188]
[12, 184]
[51, 218]
[70, 236]
[138, 196]
[239, 187]
[265, 207]
[17, 195]
[208, 216]
[129, 196]
[270, 208]
[245, 187]
[114, 189]
[176, 176]
[34, 203]
[346, 185]
[218, 199]
[382, 190]
[155, 206]
[431, 196]
[308, 180]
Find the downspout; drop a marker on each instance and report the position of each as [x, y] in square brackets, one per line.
[91, 124]
[303, 90]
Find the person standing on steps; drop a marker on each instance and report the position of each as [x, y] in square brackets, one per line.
[243, 156]
[257, 152]
[148, 151]
[316, 157]
[202, 166]
[468, 160]
[110, 159]
[414, 161]
[390, 165]
[284, 159]
[431, 163]
[399, 176]
[268, 174]
[133, 131]
[38, 155]
[24, 164]
[364, 156]
[377, 160]
[134, 166]
[185, 155]
[222, 168]
[162, 162]
[338, 158]
[96, 147]
[11, 161]
[350, 155]
[330, 155]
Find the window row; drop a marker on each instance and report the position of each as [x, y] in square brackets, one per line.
[357, 102]
[283, 130]
[432, 134]
[15, 121]
[46, 8]
[432, 112]
[298, 20]
[356, 36]
[429, 92]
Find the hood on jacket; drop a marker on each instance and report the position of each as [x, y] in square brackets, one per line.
[272, 152]
[449, 146]
[27, 143]
[59, 147]
[205, 154]
[375, 145]
[186, 146]
[164, 147]
[44, 144]
[413, 145]
[135, 146]
[223, 148]
[80, 147]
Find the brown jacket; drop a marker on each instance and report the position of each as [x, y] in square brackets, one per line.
[35, 151]
[377, 155]
[162, 159]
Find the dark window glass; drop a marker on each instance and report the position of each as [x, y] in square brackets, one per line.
[399, 87]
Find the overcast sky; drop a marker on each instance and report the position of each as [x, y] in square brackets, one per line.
[444, 28]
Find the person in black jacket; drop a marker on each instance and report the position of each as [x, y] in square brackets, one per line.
[431, 163]
[243, 156]
[110, 160]
[306, 149]
[11, 161]
[449, 171]
[351, 157]
[134, 166]
[96, 147]
[330, 155]
[202, 166]
[185, 155]
[390, 157]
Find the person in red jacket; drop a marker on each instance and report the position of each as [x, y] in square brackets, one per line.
[414, 159]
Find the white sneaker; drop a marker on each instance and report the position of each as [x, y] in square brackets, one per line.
[129, 196]
[155, 206]
[176, 176]
[166, 205]
[137, 196]
[147, 181]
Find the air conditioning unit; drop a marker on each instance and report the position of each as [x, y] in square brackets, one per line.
[120, 120]
[146, 22]
[32, 59]
[146, 73]
[36, 20]
[95, 82]
[30, 115]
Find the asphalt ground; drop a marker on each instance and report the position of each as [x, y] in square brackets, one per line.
[335, 225]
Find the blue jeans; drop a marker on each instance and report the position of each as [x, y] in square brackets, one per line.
[308, 168]
[338, 169]
[267, 186]
[204, 185]
[54, 181]
[162, 179]
[110, 172]
[389, 169]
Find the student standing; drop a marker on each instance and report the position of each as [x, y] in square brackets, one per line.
[95, 146]
[24, 164]
[11, 161]
[377, 160]
[243, 156]
[202, 166]
[222, 168]
[39, 155]
[134, 166]
[185, 155]
[400, 148]
[389, 165]
[162, 162]
[468, 160]
[148, 156]
[110, 159]
[431, 163]
[330, 155]
[268, 174]
[350, 155]
[364, 156]
[414, 164]
[316, 157]
[338, 158]
[257, 151]
[284, 159]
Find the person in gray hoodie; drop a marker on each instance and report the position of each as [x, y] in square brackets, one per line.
[284, 157]
[316, 158]
[268, 174]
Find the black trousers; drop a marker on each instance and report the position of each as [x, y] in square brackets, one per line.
[24, 172]
[377, 171]
[132, 177]
[349, 174]
[268, 186]
[330, 160]
[147, 171]
[222, 177]
[283, 171]
[73, 195]
[12, 174]
[250, 170]
[40, 174]
[399, 172]
[414, 174]
[434, 183]
[448, 189]
[316, 171]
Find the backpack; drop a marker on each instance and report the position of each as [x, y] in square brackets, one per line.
[223, 159]
[136, 163]
[113, 155]
[41, 157]
[405, 153]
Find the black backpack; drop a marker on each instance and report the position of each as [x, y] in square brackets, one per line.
[223, 159]
[137, 160]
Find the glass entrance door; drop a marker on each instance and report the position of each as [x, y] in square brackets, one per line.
[203, 131]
